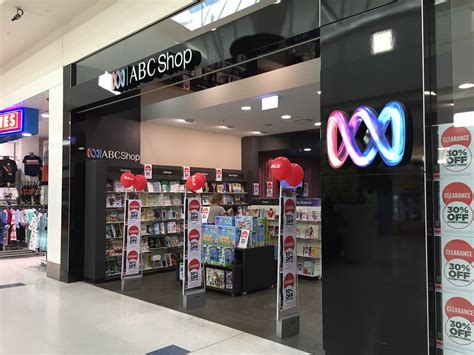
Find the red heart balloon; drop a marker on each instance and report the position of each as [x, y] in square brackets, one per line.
[296, 175]
[139, 183]
[192, 183]
[281, 168]
[127, 179]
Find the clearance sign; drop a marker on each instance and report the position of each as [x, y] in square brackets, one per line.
[11, 122]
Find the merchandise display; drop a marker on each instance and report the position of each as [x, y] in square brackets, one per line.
[32, 165]
[308, 232]
[8, 169]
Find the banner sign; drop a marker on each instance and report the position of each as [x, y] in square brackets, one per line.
[186, 172]
[148, 171]
[218, 174]
[193, 243]
[457, 264]
[458, 322]
[456, 208]
[132, 242]
[11, 122]
[288, 256]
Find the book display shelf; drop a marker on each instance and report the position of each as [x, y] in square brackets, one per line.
[162, 216]
[308, 231]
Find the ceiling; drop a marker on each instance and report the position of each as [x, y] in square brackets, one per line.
[296, 87]
[41, 18]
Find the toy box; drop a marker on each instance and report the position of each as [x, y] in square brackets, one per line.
[246, 222]
[225, 221]
[209, 234]
[226, 255]
[228, 236]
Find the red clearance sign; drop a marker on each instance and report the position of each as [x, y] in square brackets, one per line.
[11, 122]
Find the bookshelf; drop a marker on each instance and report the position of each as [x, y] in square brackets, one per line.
[308, 232]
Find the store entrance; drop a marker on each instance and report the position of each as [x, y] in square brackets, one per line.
[230, 133]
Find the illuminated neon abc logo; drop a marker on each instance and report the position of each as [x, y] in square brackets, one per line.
[392, 153]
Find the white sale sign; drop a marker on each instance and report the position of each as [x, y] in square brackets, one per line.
[133, 240]
[194, 243]
[288, 255]
[457, 264]
[455, 149]
[456, 208]
[458, 322]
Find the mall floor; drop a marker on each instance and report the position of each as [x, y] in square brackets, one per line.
[41, 315]
[253, 313]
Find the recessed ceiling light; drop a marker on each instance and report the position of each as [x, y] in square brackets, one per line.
[246, 108]
[307, 149]
[269, 102]
[45, 114]
[319, 92]
[451, 104]
[226, 127]
[466, 86]
[213, 29]
[317, 124]
[277, 2]
[286, 117]
[26, 134]
[430, 93]
[382, 42]
[258, 132]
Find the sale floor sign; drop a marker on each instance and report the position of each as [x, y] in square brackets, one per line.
[456, 208]
[455, 149]
[133, 240]
[457, 264]
[458, 322]
[289, 268]
[194, 243]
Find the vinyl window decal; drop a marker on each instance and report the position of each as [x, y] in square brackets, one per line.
[392, 153]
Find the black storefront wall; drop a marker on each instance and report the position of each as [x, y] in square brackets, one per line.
[374, 235]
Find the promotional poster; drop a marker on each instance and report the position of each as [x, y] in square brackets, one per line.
[133, 240]
[193, 243]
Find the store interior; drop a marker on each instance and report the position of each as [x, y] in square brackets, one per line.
[229, 127]
[24, 181]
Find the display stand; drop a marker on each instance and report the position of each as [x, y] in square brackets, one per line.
[193, 290]
[287, 315]
[130, 273]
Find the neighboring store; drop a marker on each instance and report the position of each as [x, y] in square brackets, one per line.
[222, 90]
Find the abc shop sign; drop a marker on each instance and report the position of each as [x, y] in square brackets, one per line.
[149, 69]
[98, 153]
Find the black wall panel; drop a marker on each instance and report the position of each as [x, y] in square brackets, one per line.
[374, 244]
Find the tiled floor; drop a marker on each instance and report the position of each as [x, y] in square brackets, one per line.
[46, 316]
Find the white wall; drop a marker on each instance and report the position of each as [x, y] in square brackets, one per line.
[165, 145]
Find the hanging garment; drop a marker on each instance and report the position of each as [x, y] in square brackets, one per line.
[33, 228]
[12, 230]
[42, 232]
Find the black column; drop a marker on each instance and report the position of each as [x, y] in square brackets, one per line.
[374, 244]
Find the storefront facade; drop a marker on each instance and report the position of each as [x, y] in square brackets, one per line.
[380, 248]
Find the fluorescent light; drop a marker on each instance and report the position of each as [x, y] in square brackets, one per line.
[213, 29]
[246, 108]
[463, 119]
[451, 104]
[45, 115]
[269, 102]
[319, 92]
[226, 127]
[81, 148]
[430, 93]
[307, 149]
[382, 42]
[257, 132]
[466, 86]
[286, 117]
[317, 124]
[26, 134]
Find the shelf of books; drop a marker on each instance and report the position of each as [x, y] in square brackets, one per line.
[162, 225]
[308, 232]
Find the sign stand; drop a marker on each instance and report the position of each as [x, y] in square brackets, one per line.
[130, 273]
[287, 315]
[193, 289]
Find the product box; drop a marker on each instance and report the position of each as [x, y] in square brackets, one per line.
[215, 278]
[226, 255]
[213, 254]
[225, 221]
[229, 282]
[228, 236]
[209, 234]
[246, 222]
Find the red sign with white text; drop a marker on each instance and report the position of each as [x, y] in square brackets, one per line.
[11, 122]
